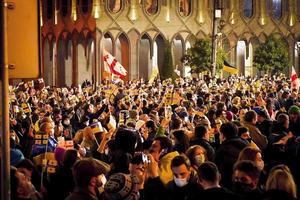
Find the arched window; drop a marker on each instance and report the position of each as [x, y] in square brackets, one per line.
[275, 6]
[185, 7]
[85, 6]
[50, 7]
[151, 6]
[248, 8]
[65, 4]
[115, 5]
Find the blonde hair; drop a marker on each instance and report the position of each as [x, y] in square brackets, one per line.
[248, 153]
[78, 136]
[280, 178]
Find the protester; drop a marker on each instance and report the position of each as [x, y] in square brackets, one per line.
[115, 121]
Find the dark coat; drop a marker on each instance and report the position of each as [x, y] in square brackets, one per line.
[81, 194]
[217, 193]
[226, 156]
[277, 195]
[188, 192]
[61, 183]
[154, 189]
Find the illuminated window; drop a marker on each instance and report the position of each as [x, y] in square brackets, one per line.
[275, 6]
[50, 8]
[248, 8]
[114, 5]
[151, 6]
[185, 7]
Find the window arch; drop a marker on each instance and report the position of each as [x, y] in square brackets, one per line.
[65, 5]
[50, 7]
[275, 6]
[114, 5]
[151, 6]
[248, 8]
[184, 7]
[85, 6]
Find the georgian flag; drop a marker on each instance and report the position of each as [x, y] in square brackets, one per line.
[294, 79]
[111, 65]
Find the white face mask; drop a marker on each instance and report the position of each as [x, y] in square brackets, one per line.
[180, 182]
[199, 159]
[106, 151]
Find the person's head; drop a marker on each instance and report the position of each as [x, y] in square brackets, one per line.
[138, 165]
[280, 178]
[201, 132]
[126, 140]
[250, 117]
[70, 157]
[121, 186]
[26, 167]
[88, 174]
[262, 114]
[294, 113]
[252, 154]
[197, 155]
[243, 132]
[180, 166]
[133, 114]
[228, 130]
[208, 175]
[48, 128]
[176, 123]
[245, 176]
[160, 146]
[21, 186]
[180, 139]
[150, 126]
[283, 120]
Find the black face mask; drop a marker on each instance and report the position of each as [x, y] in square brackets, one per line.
[249, 140]
[242, 188]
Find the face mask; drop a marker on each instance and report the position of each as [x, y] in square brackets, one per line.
[199, 159]
[180, 182]
[106, 151]
[242, 188]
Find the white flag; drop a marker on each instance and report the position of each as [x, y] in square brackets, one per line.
[294, 79]
[114, 66]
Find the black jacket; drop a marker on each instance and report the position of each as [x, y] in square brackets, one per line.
[226, 156]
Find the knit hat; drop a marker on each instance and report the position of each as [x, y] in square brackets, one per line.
[87, 168]
[294, 110]
[121, 187]
[59, 153]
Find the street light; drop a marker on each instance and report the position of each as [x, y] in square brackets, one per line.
[217, 13]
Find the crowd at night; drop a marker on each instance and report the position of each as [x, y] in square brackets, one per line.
[187, 139]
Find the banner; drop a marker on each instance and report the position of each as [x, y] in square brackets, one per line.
[229, 68]
[114, 66]
[294, 79]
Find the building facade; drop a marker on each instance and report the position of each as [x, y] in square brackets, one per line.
[75, 33]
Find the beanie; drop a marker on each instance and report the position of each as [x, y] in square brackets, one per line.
[121, 187]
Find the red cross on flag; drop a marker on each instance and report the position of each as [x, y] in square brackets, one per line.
[294, 79]
[112, 66]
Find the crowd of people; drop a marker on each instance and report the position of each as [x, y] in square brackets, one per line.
[200, 138]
